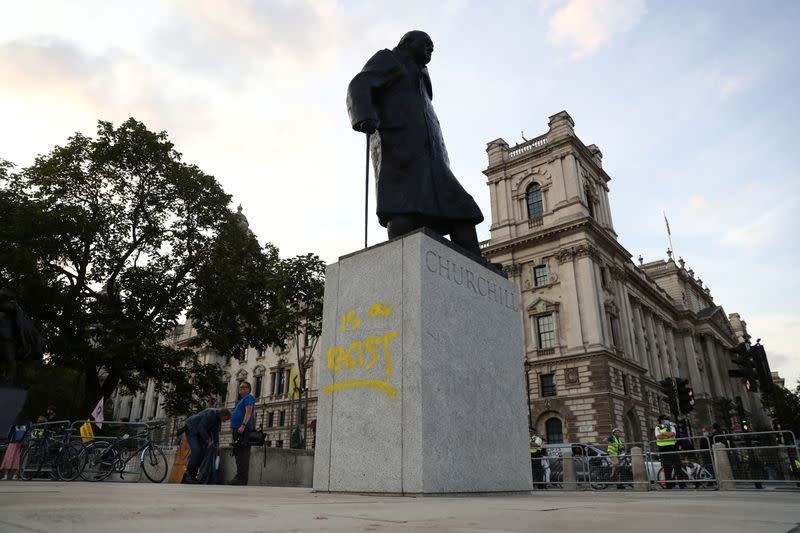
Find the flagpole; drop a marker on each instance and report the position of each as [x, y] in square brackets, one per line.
[669, 233]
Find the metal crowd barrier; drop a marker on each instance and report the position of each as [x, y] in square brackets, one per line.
[689, 463]
[760, 458]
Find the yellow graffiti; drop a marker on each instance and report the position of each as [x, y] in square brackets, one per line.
[377, 310]
[377, 384]
[340, 357]
[350, 321]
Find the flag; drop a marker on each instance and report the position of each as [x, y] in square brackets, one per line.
[667, 223]
[97, 414]
[86, 432]
[294, 383]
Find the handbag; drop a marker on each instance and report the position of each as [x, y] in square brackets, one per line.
[256, 438]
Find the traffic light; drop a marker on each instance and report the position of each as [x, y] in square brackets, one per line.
[725, 411]
[761, 365]
[672, 397]
[743, 358]
[685, 395]
[745, 424]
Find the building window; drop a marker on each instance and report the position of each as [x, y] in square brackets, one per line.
[268, 443]
[589, 201]
[548, 383]
[554, 431]
[270, 419]
[155, 408]
[533, 195]
[279, 444]
[259, 380]
[260, 354]
[625, 384]
[540, 276]
[546, 330]
[302, 415]
[282, 421]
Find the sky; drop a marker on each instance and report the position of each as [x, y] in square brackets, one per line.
[693, 104]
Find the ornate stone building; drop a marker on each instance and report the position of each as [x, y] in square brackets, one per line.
[600, 332]
[278, 411]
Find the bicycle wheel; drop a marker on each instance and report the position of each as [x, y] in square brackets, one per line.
[70, 462]
[154, 463]
[30, 461]
[99, 462]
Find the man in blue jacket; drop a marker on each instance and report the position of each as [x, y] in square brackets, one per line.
[243, 421]
[202, 432]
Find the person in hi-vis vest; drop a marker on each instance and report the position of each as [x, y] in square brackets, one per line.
[667, 444]
[537, 452]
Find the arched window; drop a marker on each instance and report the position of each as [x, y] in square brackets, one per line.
[554, 431]
[534, 197]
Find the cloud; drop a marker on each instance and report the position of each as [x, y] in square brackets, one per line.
[583, 26]
[750, 217]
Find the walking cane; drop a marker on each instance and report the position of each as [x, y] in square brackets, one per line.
[366, 195]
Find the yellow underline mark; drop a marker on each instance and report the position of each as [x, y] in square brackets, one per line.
[377, 384]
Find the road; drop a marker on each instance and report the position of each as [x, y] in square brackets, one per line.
[42, 506]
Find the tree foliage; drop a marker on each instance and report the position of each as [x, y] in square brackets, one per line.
[100, 239]
[109, 241]
[249, 297]
[783, 405]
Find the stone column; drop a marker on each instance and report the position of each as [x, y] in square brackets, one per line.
[625, 320]
[674, 363]
[714, 370]
[725, 364]
[657, 372]
[571, 178]
[638, 330]
[569, 314]
[662, 346]
[691, 362]
[589, 298]
[604, 199]
[639, 470]
[722, 468]
[568, 469]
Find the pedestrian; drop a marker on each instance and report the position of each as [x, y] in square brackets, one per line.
[616, 447]
[536, 448]
[202, 433]
[51, 413]
[242, 423]
[667, 445]
[16, 438]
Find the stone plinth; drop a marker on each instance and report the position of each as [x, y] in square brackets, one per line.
[421, 385]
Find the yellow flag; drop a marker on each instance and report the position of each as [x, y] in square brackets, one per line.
[294, 383]
[87, 432]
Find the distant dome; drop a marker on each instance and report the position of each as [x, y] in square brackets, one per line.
[241, 218]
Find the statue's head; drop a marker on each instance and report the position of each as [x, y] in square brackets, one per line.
[419, 46]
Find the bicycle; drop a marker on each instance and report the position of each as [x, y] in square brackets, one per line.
[49, 450]
[103, 457]
[694, 472]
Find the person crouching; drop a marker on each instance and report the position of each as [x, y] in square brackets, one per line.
[202, 432]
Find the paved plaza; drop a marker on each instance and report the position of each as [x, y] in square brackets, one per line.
[143, 507]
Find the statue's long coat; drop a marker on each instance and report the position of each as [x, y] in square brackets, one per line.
[412, 170]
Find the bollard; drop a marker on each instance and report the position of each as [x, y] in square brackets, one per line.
[722, 468]
[568, 469]
[639, 470]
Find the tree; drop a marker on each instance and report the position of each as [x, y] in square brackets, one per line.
[249, 297]
[783, 405]
[101, 239]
